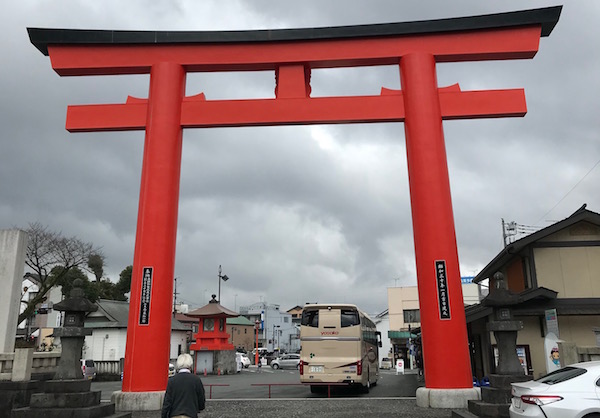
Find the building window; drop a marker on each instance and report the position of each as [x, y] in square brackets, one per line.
[286, 319]
[411, 316]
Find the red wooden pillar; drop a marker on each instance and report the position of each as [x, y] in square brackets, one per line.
[440, 294]
[149, 325]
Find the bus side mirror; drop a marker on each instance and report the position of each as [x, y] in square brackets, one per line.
[379, 343]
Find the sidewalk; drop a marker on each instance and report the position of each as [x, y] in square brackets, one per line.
[330, 408]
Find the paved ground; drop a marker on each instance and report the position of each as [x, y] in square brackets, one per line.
[317, 408]
[238, 396]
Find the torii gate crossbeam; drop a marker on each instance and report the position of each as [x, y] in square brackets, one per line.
[416, 47]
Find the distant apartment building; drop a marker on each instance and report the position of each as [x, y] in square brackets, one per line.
[275, 328]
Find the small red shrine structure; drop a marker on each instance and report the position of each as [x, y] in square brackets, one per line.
[211, 336]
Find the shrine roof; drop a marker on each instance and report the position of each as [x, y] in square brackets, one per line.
[213, 309]
[545, 17]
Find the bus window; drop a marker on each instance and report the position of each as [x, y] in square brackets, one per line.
[310, 318]
[349, 318]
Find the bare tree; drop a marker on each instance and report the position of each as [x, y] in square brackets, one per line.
[46, 250]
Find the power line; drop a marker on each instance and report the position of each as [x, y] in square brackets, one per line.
[572, 188]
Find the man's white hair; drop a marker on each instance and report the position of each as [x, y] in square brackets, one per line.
[184, 361]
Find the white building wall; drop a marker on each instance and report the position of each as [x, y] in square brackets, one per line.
[383, 326]
[178, 341]
[109, 344]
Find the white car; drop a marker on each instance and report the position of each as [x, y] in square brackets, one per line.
[243, 358]
[570, 392]
[171, 370]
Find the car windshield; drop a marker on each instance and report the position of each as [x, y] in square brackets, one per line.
[561, 375]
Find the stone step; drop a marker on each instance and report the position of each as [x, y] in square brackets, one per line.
[65, 400]
[495, 395]
[489, 410]
[97, 411]
[463, 414]
[67, 386]
[504, 381]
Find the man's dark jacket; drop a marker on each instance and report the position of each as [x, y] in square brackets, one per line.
[184, 396]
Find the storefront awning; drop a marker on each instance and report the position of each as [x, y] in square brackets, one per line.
[401, 335]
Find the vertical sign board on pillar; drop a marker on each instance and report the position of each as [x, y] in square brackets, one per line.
[442, 287]
[421, 105]
[145, 296]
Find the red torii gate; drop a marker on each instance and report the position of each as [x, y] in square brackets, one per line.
[291, 53]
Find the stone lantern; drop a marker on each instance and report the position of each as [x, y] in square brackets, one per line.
[495, 399]
[72, 334]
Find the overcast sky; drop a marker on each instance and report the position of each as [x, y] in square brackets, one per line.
[297, 214]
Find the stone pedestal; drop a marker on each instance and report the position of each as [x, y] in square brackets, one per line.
[16, 395]
[446, 398]
[67, 398]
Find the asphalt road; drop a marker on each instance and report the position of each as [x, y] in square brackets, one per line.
[246, 394]
[251, 384]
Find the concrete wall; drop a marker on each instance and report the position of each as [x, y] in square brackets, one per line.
[13, 246]
[399, 300]
[575, 330]
[572, 272]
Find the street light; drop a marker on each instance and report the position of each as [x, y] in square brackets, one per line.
[224, 278]
[256, 325]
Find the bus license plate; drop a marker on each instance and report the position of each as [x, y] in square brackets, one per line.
[316, 369]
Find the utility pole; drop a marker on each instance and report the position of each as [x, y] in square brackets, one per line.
[175, 297]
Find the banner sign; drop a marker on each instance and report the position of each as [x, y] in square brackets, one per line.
[442, 288]
[145, 296]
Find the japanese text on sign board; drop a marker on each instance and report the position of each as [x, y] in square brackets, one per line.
[442, 287]
[145, 296]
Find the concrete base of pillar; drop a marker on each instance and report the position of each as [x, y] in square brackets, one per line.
[446, 398]
[138, 401]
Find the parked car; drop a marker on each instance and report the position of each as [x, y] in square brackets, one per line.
[88, 369]
[386, 363]
[289, 361]
[243, 358]
[171, 369]
[570, 392]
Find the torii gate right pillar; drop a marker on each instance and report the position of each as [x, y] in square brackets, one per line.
[438, 273]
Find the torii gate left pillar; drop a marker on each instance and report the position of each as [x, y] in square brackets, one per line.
[415, 46]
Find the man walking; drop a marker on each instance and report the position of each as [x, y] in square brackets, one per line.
[185, 392]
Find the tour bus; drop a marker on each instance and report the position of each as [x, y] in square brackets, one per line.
[339, 346]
